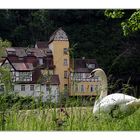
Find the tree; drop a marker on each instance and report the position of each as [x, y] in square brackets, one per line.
[4, 44]
[129, 25]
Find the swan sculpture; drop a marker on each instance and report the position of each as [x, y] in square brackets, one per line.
[125, 104]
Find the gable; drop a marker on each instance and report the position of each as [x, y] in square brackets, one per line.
[7, 64]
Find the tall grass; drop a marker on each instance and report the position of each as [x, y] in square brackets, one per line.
[63, 118]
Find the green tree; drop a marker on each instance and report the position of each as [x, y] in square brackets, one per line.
[129, 25]
[5, 77]
[4, 44]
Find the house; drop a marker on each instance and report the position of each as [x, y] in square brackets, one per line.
[48, 70]
[79, 83]
[32, 72]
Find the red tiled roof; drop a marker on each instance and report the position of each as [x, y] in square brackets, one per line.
[55, 80]
[40, 52]
[52, 79]
[37, 52]
[23, 66]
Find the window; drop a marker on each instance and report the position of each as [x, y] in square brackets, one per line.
[65, 62]
[24, 76]
[22, 87]
[31, 87]
[65, 74]
[65, 50]
[1, 87]
[91, 88]
[82, 88]
[40, 61]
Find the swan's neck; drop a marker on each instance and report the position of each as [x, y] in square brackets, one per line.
[103, 86]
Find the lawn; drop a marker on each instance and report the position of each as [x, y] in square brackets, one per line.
[65, 119]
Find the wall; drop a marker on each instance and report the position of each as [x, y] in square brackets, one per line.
[57, 48]
[39, 90]
[75, 86]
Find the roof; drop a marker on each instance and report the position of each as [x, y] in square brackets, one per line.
[84, 65]
[23, 52]
[58, 35]
[52, 79]
[23, 66]
[39, 52]
[20, 52]
[41, 44]
[36, 51]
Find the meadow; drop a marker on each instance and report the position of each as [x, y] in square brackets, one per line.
[61, 118]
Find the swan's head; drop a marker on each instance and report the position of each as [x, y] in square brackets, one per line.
[96, 72]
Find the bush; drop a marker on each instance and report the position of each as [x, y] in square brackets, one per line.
[76, 101]
[7, 101]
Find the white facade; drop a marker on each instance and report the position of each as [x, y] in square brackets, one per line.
[46, 92]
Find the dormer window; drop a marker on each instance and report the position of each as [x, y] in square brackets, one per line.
[40, 61]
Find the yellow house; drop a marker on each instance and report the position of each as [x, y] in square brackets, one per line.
[79, 83]
[73, 75]
[49, 64]
[59, 44]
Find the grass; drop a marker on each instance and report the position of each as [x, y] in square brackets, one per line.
[23, 114]
[68, 119]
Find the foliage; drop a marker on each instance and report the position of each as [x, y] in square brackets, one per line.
[4, 44]
[11, 100]
[5, 79]
[114, 13]
[95, 35]
[78, 119]
[129, 25]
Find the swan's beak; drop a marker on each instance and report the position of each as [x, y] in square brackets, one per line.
[90, 76]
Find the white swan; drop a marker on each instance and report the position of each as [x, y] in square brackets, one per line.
[125, 104]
